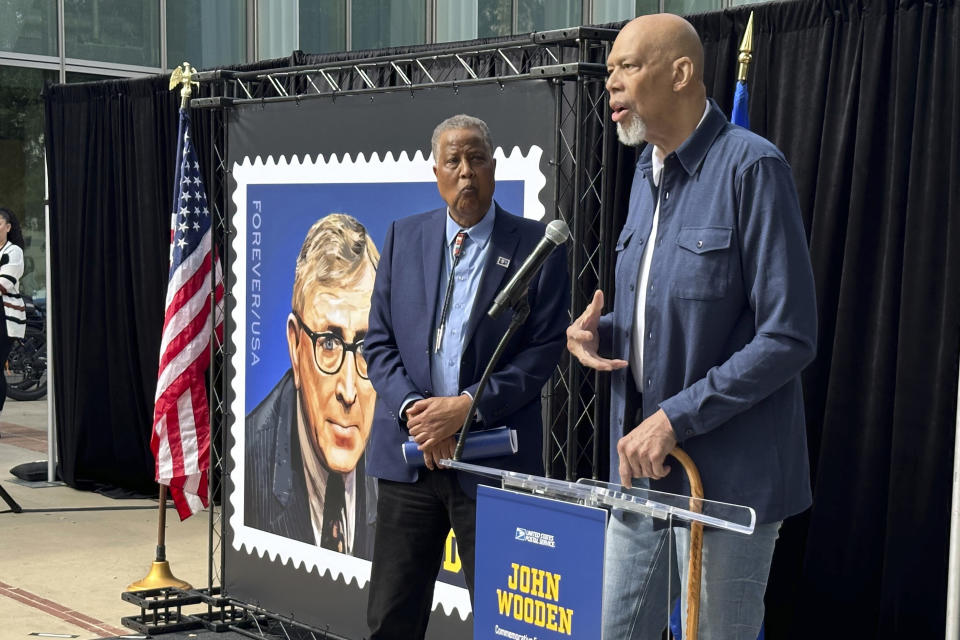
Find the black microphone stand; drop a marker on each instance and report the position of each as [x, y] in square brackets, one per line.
[521, 309]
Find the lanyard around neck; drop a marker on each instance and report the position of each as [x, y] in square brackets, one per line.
[457, 252]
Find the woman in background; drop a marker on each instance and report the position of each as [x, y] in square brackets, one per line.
[11, 270]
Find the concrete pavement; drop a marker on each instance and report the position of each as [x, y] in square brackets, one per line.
[65, 561]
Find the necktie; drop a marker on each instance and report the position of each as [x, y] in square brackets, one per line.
[457, 252]
[334, 504]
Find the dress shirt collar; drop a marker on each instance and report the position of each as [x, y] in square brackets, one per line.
[657, 158]
[479, 233]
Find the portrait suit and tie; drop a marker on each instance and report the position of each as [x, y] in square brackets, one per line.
[304, 475]
[428, 343]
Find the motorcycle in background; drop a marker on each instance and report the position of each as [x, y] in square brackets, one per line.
[26, 367]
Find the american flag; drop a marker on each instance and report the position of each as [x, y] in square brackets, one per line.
[181, 417]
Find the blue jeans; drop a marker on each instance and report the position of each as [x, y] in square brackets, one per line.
[640, 579]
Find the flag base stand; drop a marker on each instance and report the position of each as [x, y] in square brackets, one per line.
[159, 577]
[167, 610]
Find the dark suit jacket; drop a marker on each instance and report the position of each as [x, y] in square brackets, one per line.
[402, 313]
[275, 491]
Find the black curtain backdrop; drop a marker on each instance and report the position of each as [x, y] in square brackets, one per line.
[110, 155]
[864, 100]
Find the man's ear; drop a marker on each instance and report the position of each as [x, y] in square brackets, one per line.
[682, 73]
[293, 341]
[434, 169]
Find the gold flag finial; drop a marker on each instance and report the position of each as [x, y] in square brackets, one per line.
[746, 50]
[183, 76]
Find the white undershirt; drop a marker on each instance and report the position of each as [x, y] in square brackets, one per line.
[640, 316]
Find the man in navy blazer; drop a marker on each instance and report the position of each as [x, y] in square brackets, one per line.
[428, 342]
[713, 321]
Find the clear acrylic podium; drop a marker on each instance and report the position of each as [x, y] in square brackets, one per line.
[669, 509]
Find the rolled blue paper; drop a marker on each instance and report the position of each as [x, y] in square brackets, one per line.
[480, 444]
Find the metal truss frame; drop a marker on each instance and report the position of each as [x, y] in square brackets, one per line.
[218, 197]
[574, 439]
[502, 61]
[575, 404]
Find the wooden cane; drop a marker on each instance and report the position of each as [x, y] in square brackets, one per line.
[694, 566]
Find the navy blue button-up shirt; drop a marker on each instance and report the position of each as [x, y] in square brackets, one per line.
[730, 315]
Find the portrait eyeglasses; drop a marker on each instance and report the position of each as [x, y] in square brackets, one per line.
[329, 350]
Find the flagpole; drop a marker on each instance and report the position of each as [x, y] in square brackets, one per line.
[739, 115]
[746, 51]
[160, 575]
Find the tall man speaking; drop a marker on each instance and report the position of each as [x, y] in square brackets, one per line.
[429, 340]
[714, 319]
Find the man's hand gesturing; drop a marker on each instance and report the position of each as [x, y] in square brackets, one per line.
[583, 341]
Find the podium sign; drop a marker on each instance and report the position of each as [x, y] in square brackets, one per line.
[539, 567]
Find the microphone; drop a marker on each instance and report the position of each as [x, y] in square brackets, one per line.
[556, 234]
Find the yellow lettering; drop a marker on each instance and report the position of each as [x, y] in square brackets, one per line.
[536, 588]
[553, 586]
[503, 601]
[524, 579]
[528, 610]
[552, 617]
[534, 610]
[451, 556]
[566, 620]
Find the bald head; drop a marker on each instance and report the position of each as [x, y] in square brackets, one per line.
[666, 37]
[656, 80]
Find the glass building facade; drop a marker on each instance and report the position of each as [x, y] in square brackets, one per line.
[47, 41]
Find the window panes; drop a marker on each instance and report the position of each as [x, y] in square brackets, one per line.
[494, 18]
[121, 31]
[206, 33]
[323, 26]
[469, 19]
[687, 7]
[277, 28]
[29, 26]
[543, 15]
[79, 76]
[377, 24]
[22, 164]
[605, 11]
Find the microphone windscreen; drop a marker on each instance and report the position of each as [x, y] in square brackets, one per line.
[557, 232]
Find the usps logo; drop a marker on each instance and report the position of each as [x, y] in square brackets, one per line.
[535, 537]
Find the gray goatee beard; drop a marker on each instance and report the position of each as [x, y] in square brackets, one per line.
[634, 133]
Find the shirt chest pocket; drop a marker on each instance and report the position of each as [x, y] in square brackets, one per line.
[623, 242]
[703, 263]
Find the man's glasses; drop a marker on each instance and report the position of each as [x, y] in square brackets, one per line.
[329, 350]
